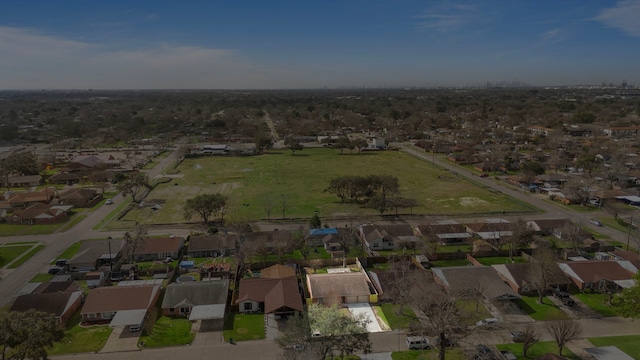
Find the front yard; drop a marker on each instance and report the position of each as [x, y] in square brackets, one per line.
[241, 327]
[9, 252]
[168, 331]
[629, 344]
[81, 339]
[537, 350]
[538, 312]
[598, 303]
[398, 317]
[450, 354]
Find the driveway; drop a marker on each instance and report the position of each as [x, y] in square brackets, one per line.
[365, 310]
[121, 339]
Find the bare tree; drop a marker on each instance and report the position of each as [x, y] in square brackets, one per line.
[541, 270]
[521, 234]
[134, 241]
[284, 204]
[529, 338]
[268, 203]
[563, 331]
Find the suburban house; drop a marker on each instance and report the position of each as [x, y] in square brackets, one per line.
[159, 248]
[491, 229]
[622, 131]
[23, 200]
[446, 232]
[218, 244]
[600, 275]
[388, 237]
[275, 291]
[55, 287]
[120, 305]
[269, 240]
[88, 162]
[95, 253]
[61, 304]
[519, 278]
[21, 181]
[40, 214]
[198, 300]
[63, 178]
[553, 227]
[474, 279]
[102, 176]
[316, 236]
[341, 288]
[79, 198]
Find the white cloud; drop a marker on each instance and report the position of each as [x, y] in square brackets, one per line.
[446, 16]
[32, 60]
[625, 15]
[554, 36]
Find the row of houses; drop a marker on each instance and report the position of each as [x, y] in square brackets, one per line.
[46, 206]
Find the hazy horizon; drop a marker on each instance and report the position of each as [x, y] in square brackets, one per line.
[253, 45]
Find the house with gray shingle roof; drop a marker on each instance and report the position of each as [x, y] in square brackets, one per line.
[197, 300]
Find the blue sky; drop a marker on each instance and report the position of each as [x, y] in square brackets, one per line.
[267, 44]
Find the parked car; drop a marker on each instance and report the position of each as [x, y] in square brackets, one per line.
[508, 355]
[568, 301]
[484, 175]
[560, 294]
[595, 222]
[418, 343]
[487, 321]
[61, 262]
[483, 352]
[108, 202]
[54, 270]
[517, 336]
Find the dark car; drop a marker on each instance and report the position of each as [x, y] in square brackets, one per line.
[54, 270]
[61, 262]
[483, 352]
[517, 336]
[568, 301]
[484, 175]
[561, 294]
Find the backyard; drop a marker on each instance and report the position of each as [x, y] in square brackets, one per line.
[299, 181]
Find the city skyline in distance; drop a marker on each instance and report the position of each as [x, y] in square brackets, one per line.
[333, 44]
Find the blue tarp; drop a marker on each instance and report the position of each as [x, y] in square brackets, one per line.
[187, 264]
[323, 231]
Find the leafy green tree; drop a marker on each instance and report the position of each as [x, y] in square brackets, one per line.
[263, 142]
[28, 335]
[134, 186]
[342, 143]
[315, 222]
[325, 331]
[293, 145]
[360, 144]
[628, 301]
[205, 205]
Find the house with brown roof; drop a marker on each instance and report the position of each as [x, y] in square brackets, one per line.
[64, 178]
[474, 279]
[88, 162]
[553, 227]
[275, 291]
[80, 198]
[600, 275]
[159, 248]
[25, 199]
[519, 278]
[444, 232]
[491, 229]
[387, 237]
[341, 288]
[219, 244]
[198, 301]
[120, 305]
[21, 181]
[40, 214]
[61, 304]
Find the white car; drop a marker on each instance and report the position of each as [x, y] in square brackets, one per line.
[108, 202]
[487, 321]
[418, 343]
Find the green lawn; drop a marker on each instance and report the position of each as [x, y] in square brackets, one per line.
[629, 344]
[450, 354]
[9, 252]
[41, 278]
[546, 311]
[445, 263]
[398, 317]
[453, 248]
[13, 230]
[243, 327]
[495, 260]
[539, 349]
[304, 177]
[81, 339]
[598, 302]
[26, 256]
[168, 331]
[473, 310]
[68, 252]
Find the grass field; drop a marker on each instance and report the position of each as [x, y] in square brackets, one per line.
[629, 344]
[302, 179]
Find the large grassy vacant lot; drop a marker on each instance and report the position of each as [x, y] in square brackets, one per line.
[303, 178]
